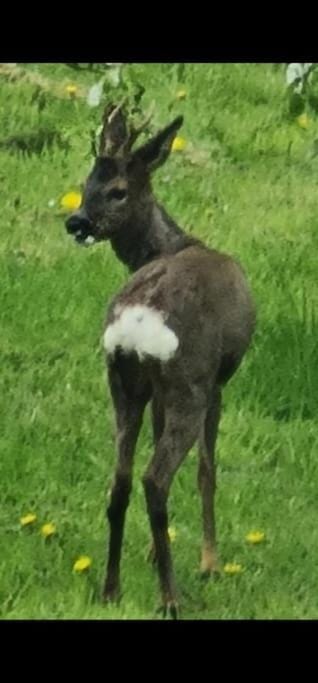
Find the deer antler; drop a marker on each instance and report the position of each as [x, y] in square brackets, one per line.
[112, 111]
[114, 130]
[115, 138]
[134, 131]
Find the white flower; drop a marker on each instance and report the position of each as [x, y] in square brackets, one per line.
[95, 94]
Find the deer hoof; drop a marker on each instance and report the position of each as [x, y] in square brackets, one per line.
[111, 594]
[173, 610]
[209, 566]
[169, 609]
[210, 573]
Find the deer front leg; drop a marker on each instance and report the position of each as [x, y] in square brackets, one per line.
[129, 412]
[178, 436]
[207, 483]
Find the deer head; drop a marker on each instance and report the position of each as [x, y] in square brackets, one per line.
[118, 187]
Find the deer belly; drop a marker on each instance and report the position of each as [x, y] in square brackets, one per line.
[141, 329]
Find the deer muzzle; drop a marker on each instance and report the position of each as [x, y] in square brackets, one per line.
[80, 227]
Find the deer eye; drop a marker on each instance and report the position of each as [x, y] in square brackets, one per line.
[117, 194]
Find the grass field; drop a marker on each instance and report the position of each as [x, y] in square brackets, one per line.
[246, 183]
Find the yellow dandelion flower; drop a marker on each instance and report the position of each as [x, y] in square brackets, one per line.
[71, 89]
[178, 144]
[48, 530]
[181, 94]
[71, 201]
[30, 518]
[172, 533]
[303, 121]
[255, 537]
[82, 563]
[233, 568]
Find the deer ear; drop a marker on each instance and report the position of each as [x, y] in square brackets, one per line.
[155, 152]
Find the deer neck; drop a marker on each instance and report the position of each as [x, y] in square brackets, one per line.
[148, 236]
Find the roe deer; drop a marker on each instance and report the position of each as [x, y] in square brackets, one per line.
[174, 335]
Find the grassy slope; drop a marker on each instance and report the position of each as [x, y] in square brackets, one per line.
[245, 194]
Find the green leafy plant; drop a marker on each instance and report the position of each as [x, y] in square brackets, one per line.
[302, 87]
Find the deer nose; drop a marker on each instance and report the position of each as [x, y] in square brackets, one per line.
[78, 223]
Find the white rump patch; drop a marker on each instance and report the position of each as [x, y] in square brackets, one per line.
[141, 329]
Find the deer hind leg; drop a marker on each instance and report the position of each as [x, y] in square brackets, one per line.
[207, 482]
[130, 394]
[158, 416]
[182, 421]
